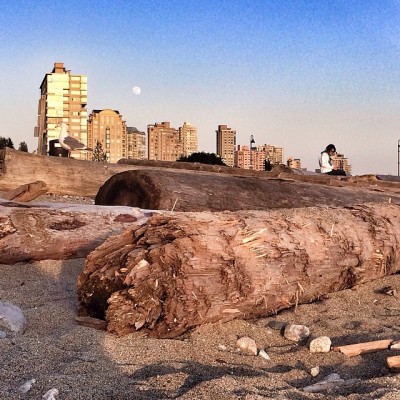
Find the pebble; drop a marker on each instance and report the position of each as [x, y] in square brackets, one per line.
[51, 394]
[3, 335]
[26, 387]
[262, 353]
[395, 345]
[314, 371]
[296, 333]
[222, 347]
[13, 317]
[247, 345]
[320, 344]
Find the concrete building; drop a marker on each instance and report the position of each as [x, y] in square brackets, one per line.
[272, 153]
[107, 127]
[293, 163]
[188, 138]
[226, 144]
[341, 162]
[63, 98]
[163, 142]
[136, 143]
[249, 159]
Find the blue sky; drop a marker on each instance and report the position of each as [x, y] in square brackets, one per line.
[296, 74]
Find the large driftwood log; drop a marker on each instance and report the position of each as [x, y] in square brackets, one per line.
[59, 231]
[62, 175]
[185, 269]
[168, 189]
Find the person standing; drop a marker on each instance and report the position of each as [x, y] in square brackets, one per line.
[326, 164]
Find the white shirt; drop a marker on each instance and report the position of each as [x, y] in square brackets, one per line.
[325, 162]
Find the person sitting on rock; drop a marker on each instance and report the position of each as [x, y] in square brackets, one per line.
[326, 164]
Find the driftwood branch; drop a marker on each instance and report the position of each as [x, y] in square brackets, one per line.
[59, 231]
[356, 349]
[181, 270]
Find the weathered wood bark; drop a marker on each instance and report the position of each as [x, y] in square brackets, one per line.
[185, 269]
[167, 189]
[27, 192]
[62, 175]
[59, 231]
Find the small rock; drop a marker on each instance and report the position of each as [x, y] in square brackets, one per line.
[3, 335]
[277, 325]
[13, 317]
[314, 371]
[395, 345]
[51, 394]
[320, 344]
[262, 353]
[328, 382]
[222, 347]
[247, 345]
[26, 387]
[296, 333]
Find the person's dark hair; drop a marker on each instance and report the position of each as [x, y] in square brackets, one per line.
[330, 147]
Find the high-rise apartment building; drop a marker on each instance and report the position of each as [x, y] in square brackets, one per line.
[63, 99]
[188, 137]
[163, 142]
[226, 144]
[136, 142]
[272, 153]
[108, 128]
[247, 158]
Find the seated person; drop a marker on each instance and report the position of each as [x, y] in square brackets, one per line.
[325, 162]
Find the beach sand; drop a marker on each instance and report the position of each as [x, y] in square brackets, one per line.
[205, 363]
[85, 363]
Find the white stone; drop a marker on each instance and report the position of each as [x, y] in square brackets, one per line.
[262, 353]
[247, 345]
[296, 333]
[320, 344]
[395, 345]
[314, 371]
[26, 387]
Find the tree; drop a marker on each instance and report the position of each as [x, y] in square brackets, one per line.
[6, 142]
[23, 147]
[203, 158]
[98, 153]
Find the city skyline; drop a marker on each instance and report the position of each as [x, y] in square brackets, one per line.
[294, 74]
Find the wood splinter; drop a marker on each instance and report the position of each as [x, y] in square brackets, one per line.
[393, 362]
[356, 349]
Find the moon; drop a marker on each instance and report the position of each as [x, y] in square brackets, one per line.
[136, 90]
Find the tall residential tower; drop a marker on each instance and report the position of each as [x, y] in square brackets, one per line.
[226, 144]
[63, 99]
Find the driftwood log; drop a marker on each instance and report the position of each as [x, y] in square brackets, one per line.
[31, 232]
[168, 189]
[62, 175]
[181, 270]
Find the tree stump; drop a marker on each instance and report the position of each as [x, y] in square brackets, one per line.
[180, 270]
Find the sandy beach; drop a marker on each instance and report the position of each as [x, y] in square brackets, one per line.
[85, 363]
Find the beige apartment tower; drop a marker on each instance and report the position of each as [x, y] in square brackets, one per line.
[163, 142]
[108, 128]
[247, 158]
[188, 138]
[226, 144]
[136, 142]
[63, 99]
